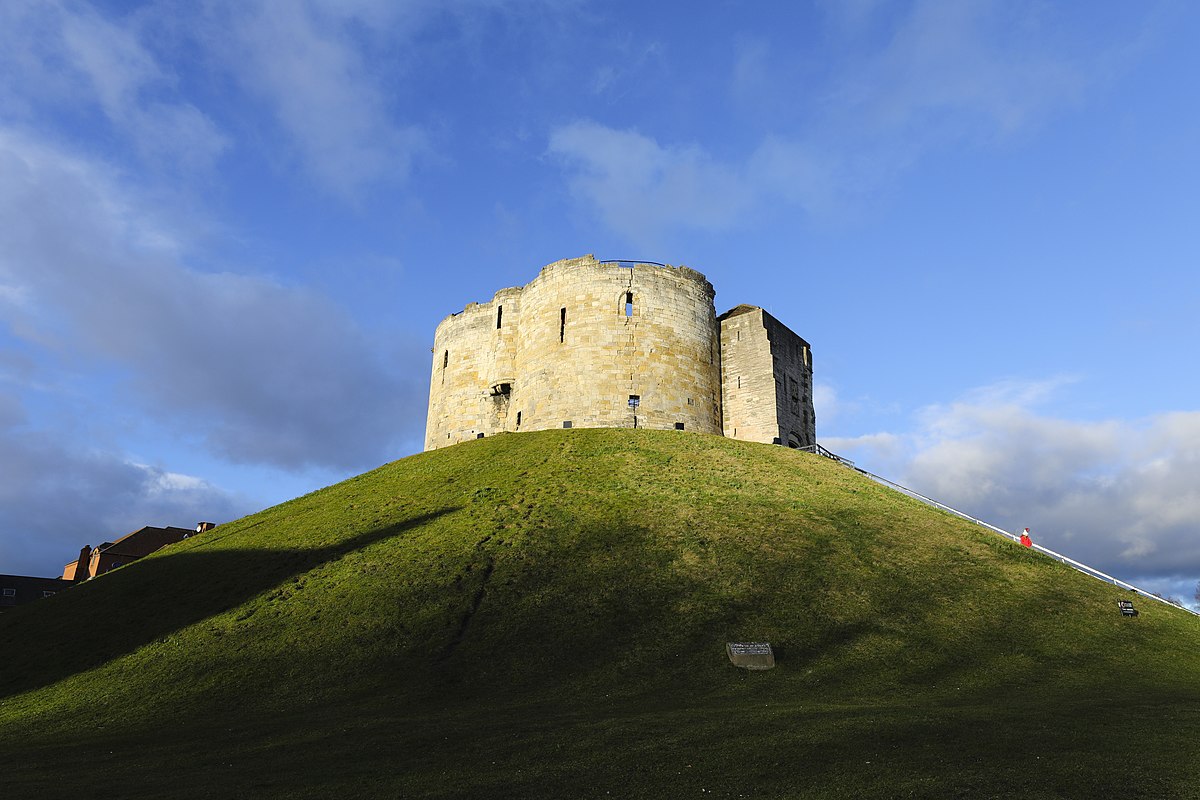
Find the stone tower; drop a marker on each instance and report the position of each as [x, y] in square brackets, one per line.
[601, 344]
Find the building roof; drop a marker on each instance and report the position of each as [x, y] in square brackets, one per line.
[144, 541]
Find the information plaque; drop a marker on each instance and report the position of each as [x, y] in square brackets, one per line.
[751, 655]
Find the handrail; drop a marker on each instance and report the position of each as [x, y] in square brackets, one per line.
[1070, 562]
[822, 451]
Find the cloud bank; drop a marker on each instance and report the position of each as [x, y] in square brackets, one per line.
[1120, 495]
[57, 495]
[271, 373]
[947, 74]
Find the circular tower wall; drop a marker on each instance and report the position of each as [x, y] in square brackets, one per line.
[593, 335]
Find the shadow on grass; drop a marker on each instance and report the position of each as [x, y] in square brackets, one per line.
[149, 600]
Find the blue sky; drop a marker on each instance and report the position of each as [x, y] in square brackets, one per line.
[228, 229]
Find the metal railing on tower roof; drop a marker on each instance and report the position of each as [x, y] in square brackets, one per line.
[631, 262]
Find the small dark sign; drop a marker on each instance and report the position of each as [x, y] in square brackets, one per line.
[1127, 608]
[751, 655]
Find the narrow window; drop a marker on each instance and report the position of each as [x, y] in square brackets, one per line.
[518, 420]
[739, 381]
[445, 359]
[629, 304]
[499, 316]
[635, 401]
[562, 325]
[678, 426]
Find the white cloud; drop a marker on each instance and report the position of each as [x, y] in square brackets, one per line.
[67, 56]
[825, 401]
[57, 495]
[948, 74]
[962, 69]
[265, 372]
[1120, 495]
[640, 187]
[318, 68]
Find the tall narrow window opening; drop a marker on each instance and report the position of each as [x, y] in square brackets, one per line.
[562, 325]
[629, 304]
[499, 316]
[518, 420]
[445, 359]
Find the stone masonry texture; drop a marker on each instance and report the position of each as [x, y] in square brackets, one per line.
[593, 344]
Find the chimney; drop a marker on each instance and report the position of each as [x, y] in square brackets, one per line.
[201, 527]
[81, 566]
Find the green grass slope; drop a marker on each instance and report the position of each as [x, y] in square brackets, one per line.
[544, 615]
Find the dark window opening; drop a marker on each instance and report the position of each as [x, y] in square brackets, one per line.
[479, 436]
[499, 316]
[445, 359]
[501, 390]
[629, 304]
[739, 381]
[678, 426]
[689, 401]
[635, 400]
[562, 325]
[518, 420]
[566, 423]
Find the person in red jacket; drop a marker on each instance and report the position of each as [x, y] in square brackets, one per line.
[1025, 540]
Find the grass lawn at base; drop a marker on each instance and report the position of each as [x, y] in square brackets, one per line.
[544, 615]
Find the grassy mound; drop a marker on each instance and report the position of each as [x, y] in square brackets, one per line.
[545, 615]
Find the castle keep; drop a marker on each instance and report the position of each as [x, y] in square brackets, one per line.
[606, 344]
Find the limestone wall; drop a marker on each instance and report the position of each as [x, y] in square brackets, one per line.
[574, 346]
[766, 372]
